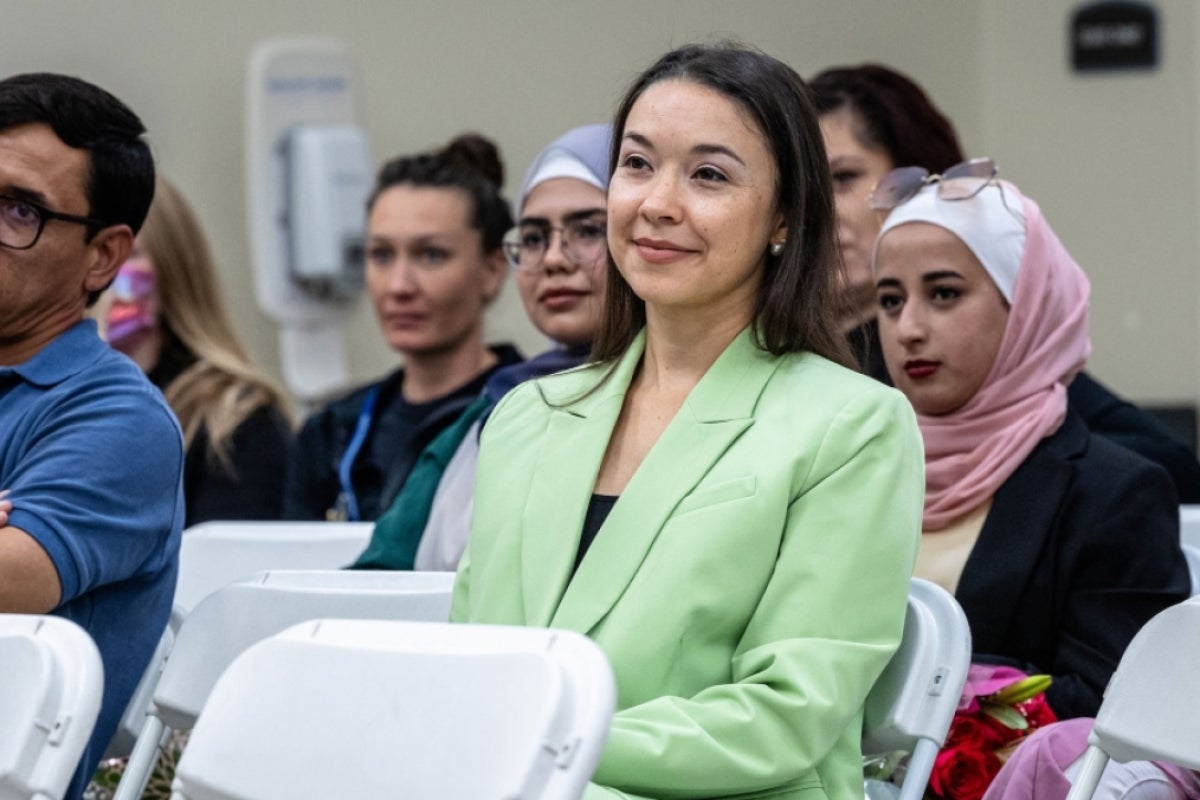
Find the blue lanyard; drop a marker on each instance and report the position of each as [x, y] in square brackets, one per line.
[348, 500]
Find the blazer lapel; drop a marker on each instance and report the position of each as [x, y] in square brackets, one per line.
[563, 478]
[717, 411]
[1010, 544]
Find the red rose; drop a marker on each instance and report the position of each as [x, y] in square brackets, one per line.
[963, 772]
[1037, 711]
[979, 734]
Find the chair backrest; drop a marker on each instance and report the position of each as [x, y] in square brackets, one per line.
[913, 702]
[49, 699]
[1189, 524]
[215, 554]
[1149, 707]
[354, 708]
[1192, 553]
[234, 617]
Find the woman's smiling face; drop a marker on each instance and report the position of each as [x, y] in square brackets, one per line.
[691, 205]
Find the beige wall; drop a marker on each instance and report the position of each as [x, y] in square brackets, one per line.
[1111, 158]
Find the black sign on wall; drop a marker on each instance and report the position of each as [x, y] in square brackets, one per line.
[1114, 35]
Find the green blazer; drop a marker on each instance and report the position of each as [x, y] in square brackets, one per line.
[749, 585]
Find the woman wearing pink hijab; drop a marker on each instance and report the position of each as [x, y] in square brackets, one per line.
[1057, 543]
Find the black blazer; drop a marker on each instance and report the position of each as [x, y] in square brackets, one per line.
[1079, 550]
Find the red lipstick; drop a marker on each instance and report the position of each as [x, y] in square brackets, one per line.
[918, 369]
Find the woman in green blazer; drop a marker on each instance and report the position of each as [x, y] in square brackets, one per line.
[731, 515]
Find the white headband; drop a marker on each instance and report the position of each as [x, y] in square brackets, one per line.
[991, 224]
[561, 164]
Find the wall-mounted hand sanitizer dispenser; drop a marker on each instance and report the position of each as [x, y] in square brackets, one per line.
[328, 177]
[308, 174]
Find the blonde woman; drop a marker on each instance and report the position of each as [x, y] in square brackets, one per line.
[167, 314]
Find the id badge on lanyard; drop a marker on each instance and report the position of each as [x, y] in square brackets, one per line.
[345, 508]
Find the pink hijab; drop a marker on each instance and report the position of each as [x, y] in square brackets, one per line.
[971, 452]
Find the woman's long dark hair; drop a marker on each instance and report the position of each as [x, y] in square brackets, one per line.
[794, 310]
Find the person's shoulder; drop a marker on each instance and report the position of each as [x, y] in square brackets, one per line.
[541, 397]
[268, 425]
[1106, 462]
[1110, 497]
[347, 404]
[506, 354]
[114, 380]
[563, 388]
[815, 383]
[109, 400]
[1100, 472]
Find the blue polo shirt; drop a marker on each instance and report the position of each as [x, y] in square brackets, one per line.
[93, 459]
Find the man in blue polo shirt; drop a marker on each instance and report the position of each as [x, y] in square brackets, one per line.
[90, 455]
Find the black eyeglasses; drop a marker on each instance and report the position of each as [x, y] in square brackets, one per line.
[22, 221]
[583, 242]
[960, 182]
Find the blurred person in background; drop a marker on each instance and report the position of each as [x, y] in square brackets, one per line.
[434, 263]
[166, 311]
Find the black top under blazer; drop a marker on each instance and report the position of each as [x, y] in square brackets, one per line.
[1079, 550]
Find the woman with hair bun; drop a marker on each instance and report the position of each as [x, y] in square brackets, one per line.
[557, 253]
[434, 263]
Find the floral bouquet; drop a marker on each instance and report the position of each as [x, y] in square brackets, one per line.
[999, 707]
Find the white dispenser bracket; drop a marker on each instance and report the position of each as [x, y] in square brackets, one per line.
[308, 172]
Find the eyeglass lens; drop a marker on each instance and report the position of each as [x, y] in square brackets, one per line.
[20, 223]
[964, 181]
[896, 187]
[583, 242]
[959, 182]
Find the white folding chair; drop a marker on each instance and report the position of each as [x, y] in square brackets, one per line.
[1189, 524]
[49, 700]
[360, 708]
[234, 617]
[1192, 553]
[913, 702]
[215, 554]
[1149, 708]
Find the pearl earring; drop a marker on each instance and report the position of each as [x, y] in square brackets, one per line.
[776, 248]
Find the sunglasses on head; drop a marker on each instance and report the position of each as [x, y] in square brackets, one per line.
[960, 182]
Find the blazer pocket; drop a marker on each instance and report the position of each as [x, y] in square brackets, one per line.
[705, 496]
